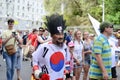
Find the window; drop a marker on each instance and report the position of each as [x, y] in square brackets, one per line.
[23, 8]
[18, 7]
[22, 14]
[17, 13]
[18, 1]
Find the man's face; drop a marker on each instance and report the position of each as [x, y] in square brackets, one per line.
[41, 32]
[11, 24]
[58, 39]
[109, 30]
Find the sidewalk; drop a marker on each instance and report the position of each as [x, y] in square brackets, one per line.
[26, 71]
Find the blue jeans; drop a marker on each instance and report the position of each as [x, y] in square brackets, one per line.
[10, 65]
[19, 58]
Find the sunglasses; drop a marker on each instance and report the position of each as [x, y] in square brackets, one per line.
[42, 30]
[110, 27]
[72, 47]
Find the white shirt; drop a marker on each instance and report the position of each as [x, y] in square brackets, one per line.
[112, 43]
[78, 50]
[51, 59]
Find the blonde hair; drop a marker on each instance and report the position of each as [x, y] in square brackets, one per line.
[75, 34]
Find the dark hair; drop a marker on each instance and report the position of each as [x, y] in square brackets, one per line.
[34, 30]
[41, 29]
[10, 21]
[118, 29]
[104, 25]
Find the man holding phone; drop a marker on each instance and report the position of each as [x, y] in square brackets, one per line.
[9, 38]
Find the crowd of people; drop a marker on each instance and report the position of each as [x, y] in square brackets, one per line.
[56, 55]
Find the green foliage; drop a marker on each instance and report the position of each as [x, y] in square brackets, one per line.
[96, 12]
[113, 11]
[75, 11]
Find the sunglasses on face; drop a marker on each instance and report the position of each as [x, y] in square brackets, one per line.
[110, 27]
[72, 47]
[41, 30]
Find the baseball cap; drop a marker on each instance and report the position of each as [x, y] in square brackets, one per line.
[71, 44]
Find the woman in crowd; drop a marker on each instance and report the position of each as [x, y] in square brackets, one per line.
[78, 51]
[87, 52]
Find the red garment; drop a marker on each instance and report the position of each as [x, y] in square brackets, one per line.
[29, 35]
[33, 38]
[44, 77]
[0, 41]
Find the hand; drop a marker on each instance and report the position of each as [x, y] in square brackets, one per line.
[83, 63]
[105, 75]
[16, 37]
[89, 51]
[78, 63]
[66, 72]
[37, 74]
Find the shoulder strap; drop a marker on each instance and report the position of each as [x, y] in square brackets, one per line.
[14, 41]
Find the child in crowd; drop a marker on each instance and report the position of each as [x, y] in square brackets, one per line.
[69, 73]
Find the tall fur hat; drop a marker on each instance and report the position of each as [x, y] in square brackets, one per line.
[55, 24]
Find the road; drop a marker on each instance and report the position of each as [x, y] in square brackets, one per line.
[26, 70]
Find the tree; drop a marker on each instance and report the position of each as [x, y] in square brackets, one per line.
[113, 11]
[75, 11]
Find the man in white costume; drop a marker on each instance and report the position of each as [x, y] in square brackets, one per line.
[51, 58]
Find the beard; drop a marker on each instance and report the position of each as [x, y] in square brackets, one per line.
[60, 42]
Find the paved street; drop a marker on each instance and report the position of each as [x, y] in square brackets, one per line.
[25, 73]
[26, 70]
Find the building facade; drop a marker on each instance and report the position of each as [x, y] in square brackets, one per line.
[28, 14]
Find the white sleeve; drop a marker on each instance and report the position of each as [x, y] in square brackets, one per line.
[37, 55]
[40, 39]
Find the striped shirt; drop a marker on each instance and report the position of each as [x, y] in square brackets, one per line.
[101, 46]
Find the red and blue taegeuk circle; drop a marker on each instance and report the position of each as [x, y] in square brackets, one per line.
[57, 61]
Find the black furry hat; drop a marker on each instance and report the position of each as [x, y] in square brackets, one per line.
[55, 24]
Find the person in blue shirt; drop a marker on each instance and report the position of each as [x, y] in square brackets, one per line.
[69, 37]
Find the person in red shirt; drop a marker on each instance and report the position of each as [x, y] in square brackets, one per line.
[0, 43]
[32, 38]
[32, 42]
[0, 47]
